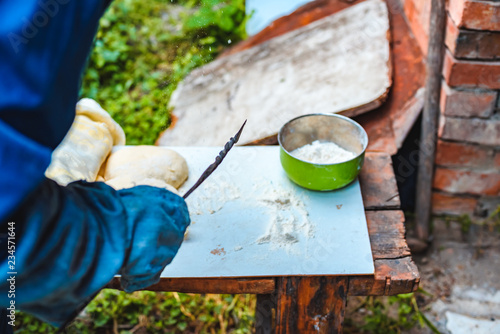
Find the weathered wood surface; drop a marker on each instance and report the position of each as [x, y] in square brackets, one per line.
[395, 271]
[378, 183]
[387, 234]
[338, 64]
[430, 119]
[209, 285]
[391, 277]
[310, 304]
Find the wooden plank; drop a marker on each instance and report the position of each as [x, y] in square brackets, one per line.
[430, 118]
[395, 271]
[340, 64]
[208, 285]
[311, 304]
[387, 234]
[392, 277]
[378, 182]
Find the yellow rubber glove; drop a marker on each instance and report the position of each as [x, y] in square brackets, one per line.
[86, 146]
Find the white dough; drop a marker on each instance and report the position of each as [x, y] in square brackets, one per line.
[136, 164]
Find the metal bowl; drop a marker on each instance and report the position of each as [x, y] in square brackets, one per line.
[338, 129]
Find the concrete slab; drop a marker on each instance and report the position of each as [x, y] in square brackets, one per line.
[462, 324]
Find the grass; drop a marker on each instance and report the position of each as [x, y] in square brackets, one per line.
[116, 312]
[143, 49]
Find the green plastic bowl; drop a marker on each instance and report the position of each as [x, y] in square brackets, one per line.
[304, 130]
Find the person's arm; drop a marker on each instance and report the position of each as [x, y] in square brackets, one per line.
[70, 242]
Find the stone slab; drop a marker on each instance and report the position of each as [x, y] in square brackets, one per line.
[339, 64]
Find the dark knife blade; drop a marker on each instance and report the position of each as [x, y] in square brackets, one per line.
[218, 161]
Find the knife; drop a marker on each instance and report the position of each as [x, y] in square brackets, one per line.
[218, 160]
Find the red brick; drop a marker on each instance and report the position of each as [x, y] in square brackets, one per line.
[449, 204]
[477, 15]
[473, 130]
[497, 160]
[467, 103]
[453, 154]
[466, 182]
[467, 73]
[418, 15]
[470, 44]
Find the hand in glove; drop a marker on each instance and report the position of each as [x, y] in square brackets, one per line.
[87, 145]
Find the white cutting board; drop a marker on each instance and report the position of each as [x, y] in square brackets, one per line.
[249, 220]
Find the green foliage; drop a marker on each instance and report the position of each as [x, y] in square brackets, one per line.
[28, 324]
[405, 314]
[143, 49]
[115, 311]
[465, 221]
[494, 219]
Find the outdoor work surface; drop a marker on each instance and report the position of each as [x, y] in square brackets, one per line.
[310, 303]
[249, 219]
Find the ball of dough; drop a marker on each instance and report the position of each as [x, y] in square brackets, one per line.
[143, 162]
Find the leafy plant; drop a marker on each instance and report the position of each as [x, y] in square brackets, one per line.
[115, 311]
[143, 49]
[393, 314]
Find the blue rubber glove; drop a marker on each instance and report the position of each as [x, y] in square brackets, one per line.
[71, 241]
[158, 233]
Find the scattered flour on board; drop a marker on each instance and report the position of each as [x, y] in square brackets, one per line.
[289, 219]
[212, 195]
[322, 153]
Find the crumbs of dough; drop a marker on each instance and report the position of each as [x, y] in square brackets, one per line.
[218, 251]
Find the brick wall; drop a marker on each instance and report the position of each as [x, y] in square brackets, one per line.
[467, 175]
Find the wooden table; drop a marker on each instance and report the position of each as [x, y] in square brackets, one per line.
[317, 304]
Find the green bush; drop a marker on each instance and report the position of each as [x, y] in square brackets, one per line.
[116, 312]
[144, 48]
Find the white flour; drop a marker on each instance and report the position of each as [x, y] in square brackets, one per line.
[289, 219]
[322, 153]
[212, 195]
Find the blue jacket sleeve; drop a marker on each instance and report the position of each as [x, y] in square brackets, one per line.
[70, 241]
